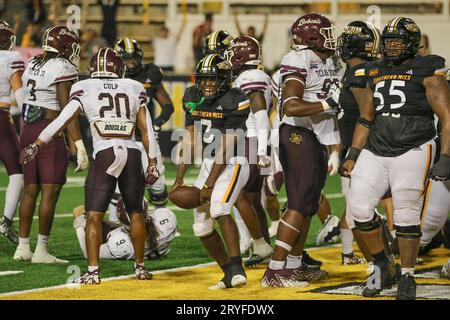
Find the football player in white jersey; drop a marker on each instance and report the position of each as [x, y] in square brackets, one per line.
[47, 81]
[113, 107]
[160, 224]
[310, 91]
[245, 55]
[12, 67]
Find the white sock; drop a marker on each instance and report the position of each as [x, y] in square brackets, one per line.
[410, 271]
[81, 235]
[92, 268]
[24, 241]
[12, 196]
[42, 242]
[293, 262]
[347, 241]
[242, 228]
[260, 242]
[276, 265]
[136, 264]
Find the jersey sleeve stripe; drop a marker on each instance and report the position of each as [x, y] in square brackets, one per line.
[243, 106]
[17, 62]
[256, 83]
[290, 69]
[76, 93]
[360, 73]
[66, 78]
[254, 88]
[18, 67]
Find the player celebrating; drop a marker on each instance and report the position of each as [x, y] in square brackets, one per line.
[113, 107]
[160, 224]
[307, 73]
[221, 111]
[150, 75]
[47, 81]
[403, 90]
[12, 68]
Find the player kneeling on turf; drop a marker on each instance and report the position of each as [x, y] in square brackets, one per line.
[113, 107]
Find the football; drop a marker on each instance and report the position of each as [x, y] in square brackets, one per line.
[186, 197]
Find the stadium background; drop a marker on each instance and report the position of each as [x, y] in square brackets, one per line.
[141, 19]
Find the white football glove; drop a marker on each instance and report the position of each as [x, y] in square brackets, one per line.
[332, 100]
[82, 158]
[333, 163]
[264, 161]
[156, 130]
[152, 174]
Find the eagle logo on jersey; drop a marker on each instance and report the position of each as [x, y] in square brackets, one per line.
[373, 72]
[295, 138]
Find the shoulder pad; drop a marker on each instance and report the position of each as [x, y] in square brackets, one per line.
[295, 63]
[254, 80]
[431, 65]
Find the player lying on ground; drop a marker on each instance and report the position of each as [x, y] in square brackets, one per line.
[160, 224]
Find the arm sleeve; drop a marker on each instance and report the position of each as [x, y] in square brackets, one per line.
[263, 127]
[152, 149]
[56, 125]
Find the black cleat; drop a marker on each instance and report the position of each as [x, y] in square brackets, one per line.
[310, 262]
[388, 274]
[406, 289]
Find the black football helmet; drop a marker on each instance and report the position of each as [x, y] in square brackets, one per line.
[213, 76]
[404, 32]
[216, 42]
[359, 39]
[131, 53]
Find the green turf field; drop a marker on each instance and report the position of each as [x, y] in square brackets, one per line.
[186, 250]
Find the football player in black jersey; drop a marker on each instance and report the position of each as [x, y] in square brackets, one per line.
[358, 44]
[219, 112]
[403, 92]
[151, 76]
[216, 42]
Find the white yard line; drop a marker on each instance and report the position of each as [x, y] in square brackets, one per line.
[7, 273]
[64, 286]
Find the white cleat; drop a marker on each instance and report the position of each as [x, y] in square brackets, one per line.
[245, 245]
[330, 231]
[45, 257]
[236, 282]
[23, 253]
[445, 271]
[370, 268]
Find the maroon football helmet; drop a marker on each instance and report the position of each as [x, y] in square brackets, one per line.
[63, 41]
[244, 51]
[106, 63]
[7, 37]
[313, 31]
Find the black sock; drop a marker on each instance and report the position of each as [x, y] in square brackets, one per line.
[226, 267]
[7, 221]
[236, 260]
[381, 256]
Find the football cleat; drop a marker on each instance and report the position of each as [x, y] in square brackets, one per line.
[406, 289]
[370, 267]
[245, 245]
[91, 278]
[260, 253]
[304, 273]
[9, 232]
[280, 279]
[142, 273]
[351, 258]
[309, 261]
[234, 278]
[45, 257]
[23, 253]
[388, 273]
[329, 232]
[445, 271]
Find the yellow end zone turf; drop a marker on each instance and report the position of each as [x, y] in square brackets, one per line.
[192, 284]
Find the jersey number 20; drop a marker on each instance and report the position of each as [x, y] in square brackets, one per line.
[114, 103]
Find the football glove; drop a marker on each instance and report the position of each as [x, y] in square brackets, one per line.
[333, 163]
[156, 130]
[29, 153]
[152, 174]
[333, 96]
[441, 169]
[82, 158]
[264, 161]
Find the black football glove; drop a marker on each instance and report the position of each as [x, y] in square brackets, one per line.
[441, 169]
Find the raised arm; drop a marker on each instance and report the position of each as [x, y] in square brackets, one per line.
[166, 104]
[180, 31]
[236, 23]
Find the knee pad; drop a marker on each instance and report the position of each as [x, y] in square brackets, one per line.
[158, 198]
[368, 226]
[217, 209]
[202, 226]
[410, 232]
